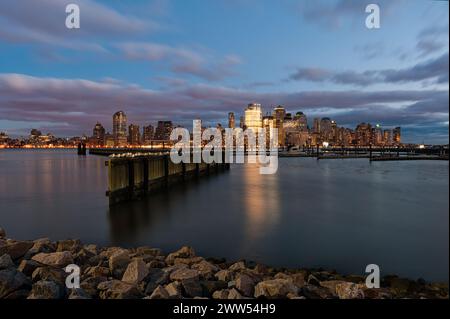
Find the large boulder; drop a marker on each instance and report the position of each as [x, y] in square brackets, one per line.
[57, 275]
[174, 290]
[155, 278]
[6, 262]
[192, 288]
[275, 288]
[58, 259]
[42, 245]
[184, 274]
[17, 249]
[116, 289]
[72, 245]
[118, 262]
[224, 275]
[45, 289]
[206, 269]
[240, 265]
[28, 267]
[12, 280]
[136, 271]
[184, 252]
[245, 284]
[2, 233]
[159, 293]
[349, 290]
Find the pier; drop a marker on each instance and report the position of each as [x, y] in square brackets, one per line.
[132, 176]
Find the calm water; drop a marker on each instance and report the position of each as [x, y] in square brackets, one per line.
[340, 214]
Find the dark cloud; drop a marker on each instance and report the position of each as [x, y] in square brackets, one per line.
[436, 68]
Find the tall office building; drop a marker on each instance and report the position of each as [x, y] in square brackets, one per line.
[387, 137]
[120, 129]
[134, 135]
[302, 121]
[147, 134]
[278, 114]
[396, 136]
[253, 117]
[98, 135]
[231, 120]
[326, 130]
[163, 130]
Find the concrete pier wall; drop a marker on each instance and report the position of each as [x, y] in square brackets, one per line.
[133, 177]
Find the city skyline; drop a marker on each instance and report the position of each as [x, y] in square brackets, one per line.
[151, 61]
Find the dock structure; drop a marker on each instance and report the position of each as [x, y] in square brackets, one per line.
[132, 176]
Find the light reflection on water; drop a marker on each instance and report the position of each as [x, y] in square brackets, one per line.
[341, 214]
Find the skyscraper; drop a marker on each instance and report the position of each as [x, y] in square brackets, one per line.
[134, 135]
[278, 114]
[148, 133]
[98, 134]
[120, 129]
[163, 130]
[396, 136]
[231, 120]
[253, 117]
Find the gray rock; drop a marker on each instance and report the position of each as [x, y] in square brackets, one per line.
[58, 259]
[192, 288]
[317, 292]
[72, 245]
[78, 293]
[221, 294]
[28, 267]
[89, 285]
[206, 269]
[348, 290]
[210, 286]
[6, 262]
[245, 284]
[12, 280]
[234, 294]
[313, 280]
[97, 271]
[116, 289]
[184, 274]
[148, 251]
[159, 293]
[136, 271]
[275, 288]
[184, 252]
[118, 262]
[155, 278]
[42, 245]
[224, 275]
[174, 290]
[49, 273]
[45, 289]
[17, 249]
[237, 266]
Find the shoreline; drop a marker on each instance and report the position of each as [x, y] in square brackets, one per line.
[36, 270]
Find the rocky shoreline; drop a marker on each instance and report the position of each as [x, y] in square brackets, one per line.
[35, 270]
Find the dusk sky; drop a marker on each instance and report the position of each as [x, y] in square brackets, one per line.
[186, 59]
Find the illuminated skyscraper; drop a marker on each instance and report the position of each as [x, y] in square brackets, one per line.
[98, 134]
[163, 130]
[148, 133]
[278, 115]
[397, 135]
[134, 135]
[120, 129]
[253, 117]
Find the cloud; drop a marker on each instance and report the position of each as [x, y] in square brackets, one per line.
[433, 39]
[436, 68]
[43, 22]
[333, 14]
[181, 60]
[72, 106]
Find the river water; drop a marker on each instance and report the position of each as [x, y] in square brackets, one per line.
[337, 214]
